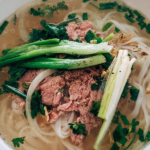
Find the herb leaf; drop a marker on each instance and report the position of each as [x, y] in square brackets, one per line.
[89, 36]
[60, 90]
[95, 108]
[107, 26]
[85, 16]
[78, 128]
[125, 120]
[134, 93]
[117, 30]
[18, 141]
[97, 85]
[15, 19]
[71, 16]
[3, 26]
[115, 147]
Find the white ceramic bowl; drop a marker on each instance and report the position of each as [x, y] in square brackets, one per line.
[7, 7]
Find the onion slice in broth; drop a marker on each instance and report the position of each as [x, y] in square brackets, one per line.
[32, 88]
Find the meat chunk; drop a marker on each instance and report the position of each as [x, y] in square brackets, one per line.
[29, 76]
[51, 91]
[53, 116]
[77, 139]
[78, 31]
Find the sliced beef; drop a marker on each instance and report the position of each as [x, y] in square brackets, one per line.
[52, 90]
[29, 76]
[77, 139]
[79, 31]
[53, 116]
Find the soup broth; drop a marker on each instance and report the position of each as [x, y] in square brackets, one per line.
[13, 123]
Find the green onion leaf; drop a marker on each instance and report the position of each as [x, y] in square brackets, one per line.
[85, 16]
[95, 108]
[78, 128]
[107, 26]
[71, 16]
[148, 28]
[3, 26]
[89, 36]
[117, 30]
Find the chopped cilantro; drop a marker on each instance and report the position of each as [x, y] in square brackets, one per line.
[109, 60]
[117, 30]
[99, 40]
[148, 136]
[89, 36]
[95, 108]
[134, 93]
[97, 85]
[85, 16]
[125, 131]
[17, 141]
[36, 105]
[115, 147]
[129, 18]
[125, 120]
[44, 0]
[148, 28]
[125, 91]
[78, 40]
[118, 135]
[3, 26]
[78, 128]
[133, 125]
[107, 26]
[71, 16]
[140, 18]
[141, 135]
[15, 19]
[59, 91]
[116, 120]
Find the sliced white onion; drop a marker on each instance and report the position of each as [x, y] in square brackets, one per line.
[32, 88]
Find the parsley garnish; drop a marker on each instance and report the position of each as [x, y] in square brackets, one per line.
[95, 108]
[78, 128]
[71, 16]
[78, 40]
[18, 141]
[3, 26]
[125, 91]
[85, 16]
[115, 147]
[107, 26]
[148, 28]
[129, 18]
[89, 36]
